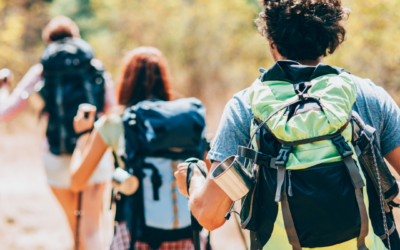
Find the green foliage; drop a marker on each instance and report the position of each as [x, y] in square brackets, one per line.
[212, 46]
[20, 34]
[372, 49]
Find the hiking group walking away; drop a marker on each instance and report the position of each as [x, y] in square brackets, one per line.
[303, 148]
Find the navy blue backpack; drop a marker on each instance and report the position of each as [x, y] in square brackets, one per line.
[158, 136]
[70, 79]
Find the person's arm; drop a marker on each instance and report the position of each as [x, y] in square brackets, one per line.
[387, 121]
[394, 159]
[89, 150]
[17, 100]
[207, 201]
[110, 99]
[6, 78]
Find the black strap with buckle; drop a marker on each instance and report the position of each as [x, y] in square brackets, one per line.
[366, 135]
[257, 157]
[283, 156]
[280, 165]
[342, 146]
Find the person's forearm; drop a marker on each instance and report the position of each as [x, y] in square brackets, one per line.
[208, 203]
[17, 100]
[79, 180]
[89, 150]
[394, 159]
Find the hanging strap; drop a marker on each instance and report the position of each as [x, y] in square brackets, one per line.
[358, 183]
[384, 236]
[289, 224]
[364, 220]
[78, 214]
[279, 183]
[156, 180]
[255, 243]
[281, 196]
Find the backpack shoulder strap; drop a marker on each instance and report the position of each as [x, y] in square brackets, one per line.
[346, 152]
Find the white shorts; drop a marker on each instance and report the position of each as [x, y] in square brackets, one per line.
[58, 169]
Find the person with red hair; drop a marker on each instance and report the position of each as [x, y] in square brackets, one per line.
[144, 76]
[58, 30]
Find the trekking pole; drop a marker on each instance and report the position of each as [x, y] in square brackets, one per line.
[196, 232]
[241, 232]
[196, 227]
[381, 198]
[78, 214]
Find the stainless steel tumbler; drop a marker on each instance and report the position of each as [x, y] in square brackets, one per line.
[232, 178]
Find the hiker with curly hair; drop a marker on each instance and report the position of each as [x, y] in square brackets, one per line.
[312, 138]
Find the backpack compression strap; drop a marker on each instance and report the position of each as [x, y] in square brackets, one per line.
[358, 183]
[278, 163]
[281, 196]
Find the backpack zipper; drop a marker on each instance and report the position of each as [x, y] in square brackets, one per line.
[290, 192]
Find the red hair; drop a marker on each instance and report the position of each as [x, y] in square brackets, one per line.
[144, 75]
[59, 28]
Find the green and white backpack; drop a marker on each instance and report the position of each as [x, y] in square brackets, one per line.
[310, 188]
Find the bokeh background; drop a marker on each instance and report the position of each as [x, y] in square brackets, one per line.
[213, 49]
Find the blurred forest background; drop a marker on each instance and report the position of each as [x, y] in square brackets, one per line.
[212, 46]
[214, 50]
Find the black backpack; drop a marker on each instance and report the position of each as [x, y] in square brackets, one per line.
[158, 136]
[321, 205]
[69, 80]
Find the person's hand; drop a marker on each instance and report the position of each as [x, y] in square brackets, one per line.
[181, 174]
[6, 77]
[84, 122]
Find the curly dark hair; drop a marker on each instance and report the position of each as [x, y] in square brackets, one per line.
[303, 29]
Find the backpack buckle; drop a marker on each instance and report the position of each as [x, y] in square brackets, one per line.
[342, 146]
[283, 156]
[366, 135]
[261, 159]
[301, 90]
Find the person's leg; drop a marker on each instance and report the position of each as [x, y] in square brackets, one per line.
[69, 202]
[92, 207]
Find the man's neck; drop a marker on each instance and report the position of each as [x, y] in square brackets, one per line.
[311, 62]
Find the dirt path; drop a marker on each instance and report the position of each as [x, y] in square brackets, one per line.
[30, 217]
